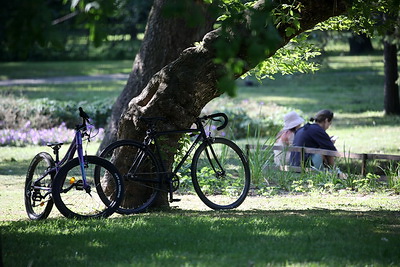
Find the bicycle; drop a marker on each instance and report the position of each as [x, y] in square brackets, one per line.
[70, 183]
[219, 169]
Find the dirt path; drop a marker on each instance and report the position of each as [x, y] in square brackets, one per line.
[68, 79]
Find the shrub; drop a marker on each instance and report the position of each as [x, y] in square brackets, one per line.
[42, 113]
[241, 124]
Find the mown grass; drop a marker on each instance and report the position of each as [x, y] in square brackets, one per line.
[209, 238]
[25, 70]
[77, 91]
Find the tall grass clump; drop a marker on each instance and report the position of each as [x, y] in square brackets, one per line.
[392, 173]
[269, 179]
[259, 157]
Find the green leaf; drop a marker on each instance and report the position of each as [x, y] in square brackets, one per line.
[227, 85]
[74, 3]
[289, 31]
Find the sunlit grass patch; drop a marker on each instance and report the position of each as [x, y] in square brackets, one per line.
[24, 70]
[74, 91]
[354, 63]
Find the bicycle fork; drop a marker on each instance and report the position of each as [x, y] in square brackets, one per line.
[218, 173]
[81, 162]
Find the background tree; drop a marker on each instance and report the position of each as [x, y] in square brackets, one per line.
[391, 87]
[26, 23]
[360, 44]
[54, 30]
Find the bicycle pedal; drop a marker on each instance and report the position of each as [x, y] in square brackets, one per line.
[36, 196]
[79, 185]
[175, 200]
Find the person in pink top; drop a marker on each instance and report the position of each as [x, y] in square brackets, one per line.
[292, 122]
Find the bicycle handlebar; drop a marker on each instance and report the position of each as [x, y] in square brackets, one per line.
[84, 116]
[216, 115]
[150, 121]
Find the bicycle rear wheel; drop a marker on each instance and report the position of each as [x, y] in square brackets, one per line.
[141, 174]
[220, 174]
[37, 195]
[74, 200]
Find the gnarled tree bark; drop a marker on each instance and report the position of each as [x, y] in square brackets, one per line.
[166, 36]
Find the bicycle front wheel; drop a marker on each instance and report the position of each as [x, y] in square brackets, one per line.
[37, 195]
[75, 199]
[220, 174]
[141, 174]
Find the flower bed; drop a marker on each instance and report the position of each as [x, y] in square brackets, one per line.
[31, 136]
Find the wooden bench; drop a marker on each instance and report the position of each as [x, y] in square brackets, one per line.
[363, 157]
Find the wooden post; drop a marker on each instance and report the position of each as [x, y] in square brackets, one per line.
[364, 165]
[302, 160]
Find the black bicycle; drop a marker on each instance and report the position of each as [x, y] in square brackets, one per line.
[73, 184]
[219, 169]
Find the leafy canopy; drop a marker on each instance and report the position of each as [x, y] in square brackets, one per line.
[363, 17]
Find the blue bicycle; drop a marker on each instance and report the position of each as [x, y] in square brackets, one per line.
[76, 186]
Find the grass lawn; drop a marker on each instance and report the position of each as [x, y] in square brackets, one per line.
[277, 231]
[77, 91]
[25, 70]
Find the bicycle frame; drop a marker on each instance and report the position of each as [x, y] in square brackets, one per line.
[202, 137]
[76, 146]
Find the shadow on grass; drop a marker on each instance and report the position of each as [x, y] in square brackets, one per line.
[209, 238]
[13, 167]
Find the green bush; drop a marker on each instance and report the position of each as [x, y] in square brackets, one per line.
[45, 113]
[241, 125]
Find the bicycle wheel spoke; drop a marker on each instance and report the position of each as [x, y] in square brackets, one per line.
[99, 197]
[141, 174]
[38, 201]
[220, 174]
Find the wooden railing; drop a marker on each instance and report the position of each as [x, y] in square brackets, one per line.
[364, 157]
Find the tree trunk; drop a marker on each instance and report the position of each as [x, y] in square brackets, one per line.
[165, 38]
[391, 88]
[182, 88]
[360, 44]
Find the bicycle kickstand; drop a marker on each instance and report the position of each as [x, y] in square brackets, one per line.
[171, 194]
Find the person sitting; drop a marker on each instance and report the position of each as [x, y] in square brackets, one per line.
[292, 121]
[314, 135]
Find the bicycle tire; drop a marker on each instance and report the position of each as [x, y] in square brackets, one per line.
[141, 188]
[38, 201]
[228, 188]
[74, 201]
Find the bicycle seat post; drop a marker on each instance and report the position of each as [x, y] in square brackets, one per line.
[56, 150]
